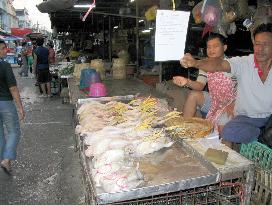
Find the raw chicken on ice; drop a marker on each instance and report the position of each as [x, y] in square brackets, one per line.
[110, 156]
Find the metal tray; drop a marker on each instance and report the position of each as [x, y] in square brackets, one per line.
[172, 169]
[168, 170]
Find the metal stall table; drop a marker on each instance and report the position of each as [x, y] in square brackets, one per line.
[181, 176]
[236, 167]
[166, 171]
[176, 175]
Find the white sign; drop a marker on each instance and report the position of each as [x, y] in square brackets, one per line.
[170, 36]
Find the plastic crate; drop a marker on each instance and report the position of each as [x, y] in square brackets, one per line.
[261, 155]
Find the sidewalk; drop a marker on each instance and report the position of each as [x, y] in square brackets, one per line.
[47, 170]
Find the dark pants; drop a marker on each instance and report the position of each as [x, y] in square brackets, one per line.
[243, 129]
[44, 76]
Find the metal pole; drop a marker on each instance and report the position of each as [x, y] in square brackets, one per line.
[160, 72]
[137, 38]
[110, 42]
[109, 14]
[104, 38]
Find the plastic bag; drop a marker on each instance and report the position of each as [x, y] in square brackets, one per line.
[85, 78]
[263, 15]
[197, 12]
[211, 12]
[150, 14]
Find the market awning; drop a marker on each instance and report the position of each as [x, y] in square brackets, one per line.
[121, 12]
[34, 36]
[21, 32]
[10, 38]
[50, 6]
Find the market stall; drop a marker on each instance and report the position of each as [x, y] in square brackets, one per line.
[60, 73]
[171, 174]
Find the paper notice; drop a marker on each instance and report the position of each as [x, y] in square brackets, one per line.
[170, 36]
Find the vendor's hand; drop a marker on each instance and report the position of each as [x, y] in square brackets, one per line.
[230, 110]
[188, 61]
[180, 81]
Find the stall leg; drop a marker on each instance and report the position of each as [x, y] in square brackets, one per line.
[248, 185]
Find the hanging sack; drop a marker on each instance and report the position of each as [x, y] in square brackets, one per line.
[211, 12]
[197, 12]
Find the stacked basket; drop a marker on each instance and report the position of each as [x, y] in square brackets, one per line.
[119, 69]
[98, 65]
[77, 71]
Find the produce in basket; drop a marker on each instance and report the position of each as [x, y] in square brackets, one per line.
[189, 128]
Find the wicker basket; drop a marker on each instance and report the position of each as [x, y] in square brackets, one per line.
[119, 63]
[191, 127]
[98, 65]
[78, 68]
[119, 74]
[119, 69]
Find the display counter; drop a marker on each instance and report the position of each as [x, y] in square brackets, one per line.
[236, 165]
[179, 174]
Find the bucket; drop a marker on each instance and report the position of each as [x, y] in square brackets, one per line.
[97, 90]
[85, 78]
[94, 78]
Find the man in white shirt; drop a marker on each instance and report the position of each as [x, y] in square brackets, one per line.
[253, 104]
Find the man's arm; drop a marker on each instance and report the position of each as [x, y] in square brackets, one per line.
[195, 85]
[16, 97]
[208, 64]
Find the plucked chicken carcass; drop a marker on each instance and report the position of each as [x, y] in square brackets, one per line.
[124, 179]
[110, 156]
[105, 170]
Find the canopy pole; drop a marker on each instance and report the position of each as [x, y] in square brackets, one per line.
[137, 39]
[110, 41]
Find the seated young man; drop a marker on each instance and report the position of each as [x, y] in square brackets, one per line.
[216, 103]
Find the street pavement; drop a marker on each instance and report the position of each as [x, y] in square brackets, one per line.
[47, 170]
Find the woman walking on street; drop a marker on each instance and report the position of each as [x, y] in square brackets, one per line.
[8, 113]
[24, 70]
[52, 54]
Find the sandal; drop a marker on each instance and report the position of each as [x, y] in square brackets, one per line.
[6, 168]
